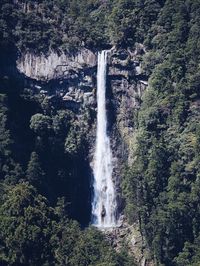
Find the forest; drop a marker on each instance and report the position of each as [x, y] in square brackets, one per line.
[43, 148]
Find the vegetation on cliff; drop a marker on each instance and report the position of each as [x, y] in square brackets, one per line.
[162, 185]
[44, 186]
[40, 26]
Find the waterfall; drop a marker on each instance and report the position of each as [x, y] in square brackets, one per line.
[104, 204]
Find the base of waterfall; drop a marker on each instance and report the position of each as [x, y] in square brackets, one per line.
[107, 227]
[110, 227]
[129, 236]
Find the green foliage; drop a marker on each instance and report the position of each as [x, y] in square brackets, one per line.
[54, 25]
[40, 124]
[73, 141]
[4, 132]
[130, 20]
[161, 186]
[90, 250]
[31, 233]
[34, 171]
[26, 224]
[41, 26]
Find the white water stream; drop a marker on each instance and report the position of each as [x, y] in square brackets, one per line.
[104, 204]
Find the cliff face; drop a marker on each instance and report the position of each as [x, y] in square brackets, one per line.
[53, 65]
[71, 80]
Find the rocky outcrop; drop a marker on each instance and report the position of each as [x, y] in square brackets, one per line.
[129, 237]
[73, 77]
[54, 65]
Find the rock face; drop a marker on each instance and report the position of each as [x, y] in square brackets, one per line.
[53, 65]
[71, 81]
[73, 77]
[130, 237]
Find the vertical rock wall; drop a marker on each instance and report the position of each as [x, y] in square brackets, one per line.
[70, 80]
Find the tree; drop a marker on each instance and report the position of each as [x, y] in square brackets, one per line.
[34, 173]
[40, 124]
[26, 226]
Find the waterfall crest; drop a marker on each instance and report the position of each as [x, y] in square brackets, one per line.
[104, 204]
